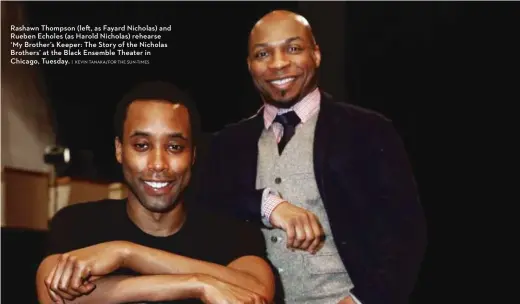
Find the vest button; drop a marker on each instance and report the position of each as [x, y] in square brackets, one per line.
[277, 180]
[274, 239]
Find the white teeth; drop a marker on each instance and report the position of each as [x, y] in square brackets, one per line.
[282, 81]
[156, 185]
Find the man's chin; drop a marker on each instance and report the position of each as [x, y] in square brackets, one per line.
[286, 101]
[160, 204]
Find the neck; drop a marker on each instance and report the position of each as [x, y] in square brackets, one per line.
[159, 224]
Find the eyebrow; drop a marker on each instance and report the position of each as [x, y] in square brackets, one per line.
[176, 135]
[289, 40]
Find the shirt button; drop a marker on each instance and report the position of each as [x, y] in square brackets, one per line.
[277, 180]
[274, 239]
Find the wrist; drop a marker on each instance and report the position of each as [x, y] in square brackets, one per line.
[124, 250]
[200, 284]
[272, 219]
[270, 201]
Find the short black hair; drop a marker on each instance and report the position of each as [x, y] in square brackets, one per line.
[157, 90]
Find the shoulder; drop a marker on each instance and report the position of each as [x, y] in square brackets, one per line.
[86, 211]
[356, 119]
[240, 128]
[354, 113]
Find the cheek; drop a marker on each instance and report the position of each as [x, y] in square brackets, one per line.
[181, 164]
[257, 70]
[134, 162]
[307, 66]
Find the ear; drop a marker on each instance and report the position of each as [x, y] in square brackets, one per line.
[194, 156]
[317, 56]
[248, 64]
[119, 150]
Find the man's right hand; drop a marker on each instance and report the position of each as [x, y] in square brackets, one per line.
[75, 271]
[219, 292]
[303, 228]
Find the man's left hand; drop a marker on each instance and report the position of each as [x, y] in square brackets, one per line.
[347, 300]
[76, 270]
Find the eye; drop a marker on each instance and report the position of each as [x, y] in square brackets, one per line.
[141, 146]
[294, 49]
[175, 148]
[261, 54]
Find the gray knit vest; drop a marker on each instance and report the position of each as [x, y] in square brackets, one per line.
[306, 278]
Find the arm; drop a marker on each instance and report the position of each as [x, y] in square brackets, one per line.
[71, 269]
[399, 231]
[249, 272]
[151, 288]
[126, 289]
[121, 289]
[218, 184]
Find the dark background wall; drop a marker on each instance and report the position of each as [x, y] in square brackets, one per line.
[384, 56]
[415, 62]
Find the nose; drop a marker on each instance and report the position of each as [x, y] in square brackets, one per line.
[158, 160]
[279, 61]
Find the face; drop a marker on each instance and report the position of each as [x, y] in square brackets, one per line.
[283, 61]
[156, 153]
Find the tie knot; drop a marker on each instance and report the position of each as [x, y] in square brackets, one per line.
[288, 119]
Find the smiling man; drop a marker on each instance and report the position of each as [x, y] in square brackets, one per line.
[283, 82]
[329, 182]
[152, 246]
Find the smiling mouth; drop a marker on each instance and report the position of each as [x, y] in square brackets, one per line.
[157, 185]
[282, 83]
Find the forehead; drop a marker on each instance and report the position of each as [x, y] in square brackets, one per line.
[158, 116]
[272, 31]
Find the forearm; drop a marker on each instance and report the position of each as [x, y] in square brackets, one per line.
[125, 289]
[150, 288]
[146, 260]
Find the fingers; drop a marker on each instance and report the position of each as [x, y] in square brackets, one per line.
[347, 300]
[319, 235]
[257, 299]
[65, 280]
[68, 278]
[300, 234]
[291, 235]
[55, 281]
[252, 298]
[308, 233]
[243, 296]
[308, 236]
[78, 276]
[80, 280]
[303, 228]
[48, 281]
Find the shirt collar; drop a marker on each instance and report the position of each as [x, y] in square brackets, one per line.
[304, 108]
